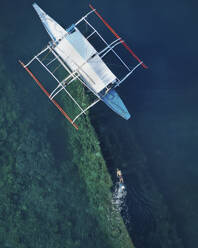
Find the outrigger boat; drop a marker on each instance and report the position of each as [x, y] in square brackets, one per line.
[75, 53]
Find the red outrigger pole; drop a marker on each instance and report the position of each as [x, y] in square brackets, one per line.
[117, 36]
[47, 94]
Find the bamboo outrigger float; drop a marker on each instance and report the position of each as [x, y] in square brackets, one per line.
[80, 59]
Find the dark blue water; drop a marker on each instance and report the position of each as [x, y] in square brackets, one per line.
[162, 99]
[163, 102]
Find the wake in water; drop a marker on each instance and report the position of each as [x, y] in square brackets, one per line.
[140, 221]
[119, 196]
[119, 200]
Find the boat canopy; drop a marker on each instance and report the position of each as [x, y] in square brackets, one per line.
[80, 55]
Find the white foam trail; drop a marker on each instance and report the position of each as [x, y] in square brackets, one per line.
[118, 206]
[119, 195]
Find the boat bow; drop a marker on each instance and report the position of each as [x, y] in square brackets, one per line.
[54, 30]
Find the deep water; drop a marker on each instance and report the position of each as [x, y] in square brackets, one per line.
[156, 148]
[163, 103]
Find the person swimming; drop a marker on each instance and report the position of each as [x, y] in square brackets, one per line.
[119, 175]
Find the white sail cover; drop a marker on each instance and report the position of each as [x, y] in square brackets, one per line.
[76, 52]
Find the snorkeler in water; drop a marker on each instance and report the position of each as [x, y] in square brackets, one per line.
[119, 175]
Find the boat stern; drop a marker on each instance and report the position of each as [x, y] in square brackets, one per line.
[113, 101]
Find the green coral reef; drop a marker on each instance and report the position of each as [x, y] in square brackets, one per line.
[55, 190]
[88, 158]
[93, 171]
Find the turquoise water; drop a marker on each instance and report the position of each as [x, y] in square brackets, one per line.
[156, 149]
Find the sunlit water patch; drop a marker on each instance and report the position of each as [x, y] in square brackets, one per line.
[119, 200]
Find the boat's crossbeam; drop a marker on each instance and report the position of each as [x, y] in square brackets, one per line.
[124, 78]
[65, 82]
[87, 86]
[107, 43]
[110, 48]
[47, 94]
[47, 69]
[59, 84]
[116, 35]
[81, 19]
[83, 112]
[51, 61]
[63, 86]
[73, 76]
[90, 34]
[36, 56]
[59, 59]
